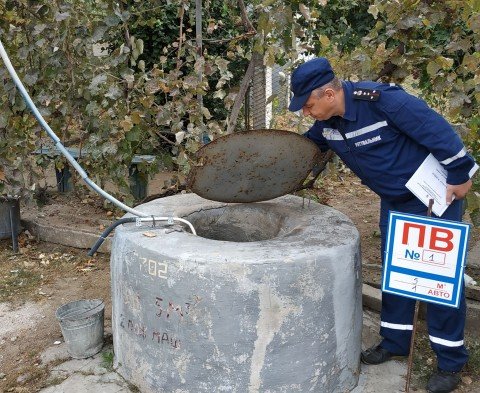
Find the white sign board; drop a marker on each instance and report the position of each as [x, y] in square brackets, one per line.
[425, 258]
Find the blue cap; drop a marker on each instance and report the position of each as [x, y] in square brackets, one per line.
[306, 78]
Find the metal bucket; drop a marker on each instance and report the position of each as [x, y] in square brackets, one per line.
[9, 214]
[82, 327]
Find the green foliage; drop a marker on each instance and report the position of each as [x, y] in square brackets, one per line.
[339, 24]
[432, 41]
[473, 197]
[88, 73]
[107, 360]
[123, 78]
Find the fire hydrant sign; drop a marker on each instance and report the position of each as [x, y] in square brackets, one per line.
[425, 258]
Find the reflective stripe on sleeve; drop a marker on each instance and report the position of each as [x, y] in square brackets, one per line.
[446, 343]
[460, 154]
[365, 130]
[396, 326]
[472, 171]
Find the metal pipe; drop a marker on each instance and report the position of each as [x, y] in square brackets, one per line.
[64, 151]
[13, 228]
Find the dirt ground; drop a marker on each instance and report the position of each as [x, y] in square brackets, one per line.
[43, 276]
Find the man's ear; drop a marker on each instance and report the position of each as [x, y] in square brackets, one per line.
[329, 93]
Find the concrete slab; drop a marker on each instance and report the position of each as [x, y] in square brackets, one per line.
[472, 325]
[90, 366]
[91, 376]
[473, 257]
[371, 323]
[55, 354]
[67, 236]
[371, 297]
[79, 383]
[387, 377]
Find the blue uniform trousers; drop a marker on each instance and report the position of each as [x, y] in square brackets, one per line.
[445, 324]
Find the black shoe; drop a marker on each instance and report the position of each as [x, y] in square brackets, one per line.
[443, 382]
[377, 355]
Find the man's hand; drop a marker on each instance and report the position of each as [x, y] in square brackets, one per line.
[459, 190]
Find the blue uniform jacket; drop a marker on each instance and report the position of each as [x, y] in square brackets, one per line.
[384, 136]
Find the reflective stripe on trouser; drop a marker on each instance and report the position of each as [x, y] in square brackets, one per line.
[445, 324]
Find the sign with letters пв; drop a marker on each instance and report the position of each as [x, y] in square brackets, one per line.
[425, 258]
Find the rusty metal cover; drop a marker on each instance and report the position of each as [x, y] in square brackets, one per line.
[252, 166]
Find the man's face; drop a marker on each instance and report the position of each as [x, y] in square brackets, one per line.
[320, 107]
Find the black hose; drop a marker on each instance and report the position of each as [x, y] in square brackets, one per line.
[107, 231]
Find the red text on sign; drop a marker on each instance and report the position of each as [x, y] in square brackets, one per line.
[440, 238]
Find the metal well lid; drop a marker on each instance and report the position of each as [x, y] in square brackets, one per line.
[252, 166]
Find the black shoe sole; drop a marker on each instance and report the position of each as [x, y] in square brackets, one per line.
[393, 357]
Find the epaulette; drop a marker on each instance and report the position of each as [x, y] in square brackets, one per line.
[366, 94]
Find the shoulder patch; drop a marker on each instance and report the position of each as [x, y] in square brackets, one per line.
[366, 94]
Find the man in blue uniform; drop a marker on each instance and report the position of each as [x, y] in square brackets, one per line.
[383, 134]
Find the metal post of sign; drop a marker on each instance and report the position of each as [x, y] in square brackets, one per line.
[412, 341]
[415, 320]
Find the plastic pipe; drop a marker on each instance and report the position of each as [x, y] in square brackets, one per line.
[106, 232]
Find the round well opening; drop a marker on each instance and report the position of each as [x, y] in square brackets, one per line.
[237, 223]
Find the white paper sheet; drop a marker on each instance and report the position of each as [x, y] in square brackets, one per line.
[430, 182]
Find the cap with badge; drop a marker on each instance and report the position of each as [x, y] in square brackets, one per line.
[306, 78]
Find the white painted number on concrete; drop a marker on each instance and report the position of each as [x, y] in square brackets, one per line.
[154, 268]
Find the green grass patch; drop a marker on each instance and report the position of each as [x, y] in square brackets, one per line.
[424, 359]
[473, 365]
[18, 282]
[107, 360]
